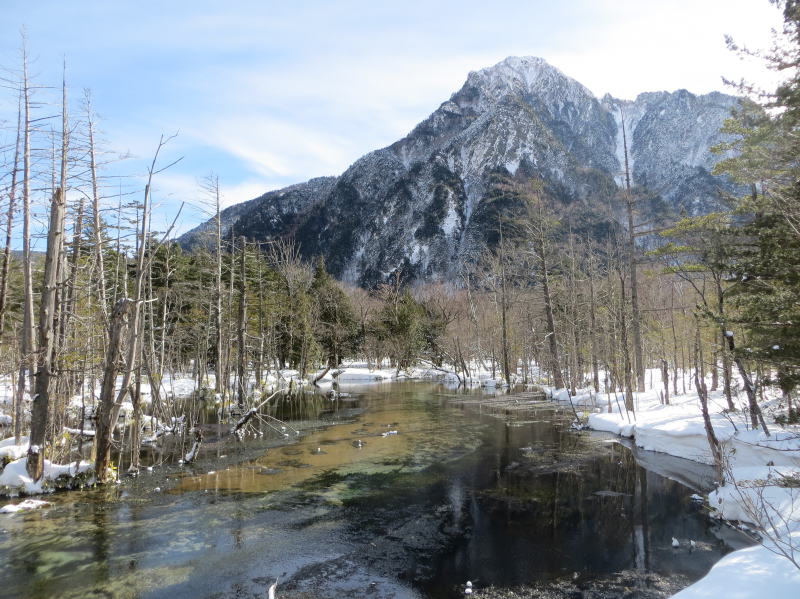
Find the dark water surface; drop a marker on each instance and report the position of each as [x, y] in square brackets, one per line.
[455, 495]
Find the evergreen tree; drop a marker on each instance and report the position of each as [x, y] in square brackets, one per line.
[337, 328]
[762, 155]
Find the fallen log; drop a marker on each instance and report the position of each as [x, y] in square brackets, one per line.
[250, 413]
[320, 376]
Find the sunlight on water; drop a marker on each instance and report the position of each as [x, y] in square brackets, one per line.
[455, 493]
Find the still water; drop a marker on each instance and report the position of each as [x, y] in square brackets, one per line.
[456, 494]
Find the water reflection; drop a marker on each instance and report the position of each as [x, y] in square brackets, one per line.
[456, 494]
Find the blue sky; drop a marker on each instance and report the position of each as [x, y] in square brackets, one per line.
[266, 93]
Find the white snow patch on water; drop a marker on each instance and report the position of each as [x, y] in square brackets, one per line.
[24, 506]
[14, 479]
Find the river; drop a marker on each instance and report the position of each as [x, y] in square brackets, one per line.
[434, 494]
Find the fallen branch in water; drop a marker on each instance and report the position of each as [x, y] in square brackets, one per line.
[320, 376]
[250, 413]
[198, 441]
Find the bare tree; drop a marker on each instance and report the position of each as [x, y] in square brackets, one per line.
[12, 196]
[538, 224]
[27, 347]
[636, 318]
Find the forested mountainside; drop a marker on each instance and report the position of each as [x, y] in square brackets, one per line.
[429, 202]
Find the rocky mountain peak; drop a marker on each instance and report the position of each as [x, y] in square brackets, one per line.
[425, 205]
[526, 76]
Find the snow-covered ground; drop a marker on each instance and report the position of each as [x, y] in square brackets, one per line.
[762, 480]
[14, 479]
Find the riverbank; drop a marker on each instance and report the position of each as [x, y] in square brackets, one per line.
[761, 487]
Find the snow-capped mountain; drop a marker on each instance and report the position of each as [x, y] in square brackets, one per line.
[423, 203]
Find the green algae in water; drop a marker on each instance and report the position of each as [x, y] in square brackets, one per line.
[437, 503]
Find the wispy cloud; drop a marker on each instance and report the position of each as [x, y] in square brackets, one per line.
[268, 94]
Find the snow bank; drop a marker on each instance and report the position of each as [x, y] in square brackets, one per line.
[10, 452]
[365, 375]
[14, 479]
[754, 466]
[747, 574]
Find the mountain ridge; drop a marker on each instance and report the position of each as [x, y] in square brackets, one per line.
[419, 204]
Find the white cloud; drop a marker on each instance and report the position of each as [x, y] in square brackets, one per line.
[172, 189]
[270, 94]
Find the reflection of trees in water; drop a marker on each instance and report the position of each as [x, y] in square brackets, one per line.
[556, 515]
[301, 406]
[100, 542]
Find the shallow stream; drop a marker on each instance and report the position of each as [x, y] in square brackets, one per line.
[513, 502]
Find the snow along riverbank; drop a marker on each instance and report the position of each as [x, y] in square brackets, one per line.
[762, 482]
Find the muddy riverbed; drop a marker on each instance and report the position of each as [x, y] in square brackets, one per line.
[396, 492]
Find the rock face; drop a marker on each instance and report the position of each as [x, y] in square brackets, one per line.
[424, 205]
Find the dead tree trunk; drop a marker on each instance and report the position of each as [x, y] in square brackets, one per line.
[219, 369]
[558, 378]
[97, 224]
[593, 334]
[47, 312]
[756, 416]
[242, 366]
[727, 372]
[106, 417]
[12, 196]
[626, 356]
[636, 319]
[26, 338]
[504, 310]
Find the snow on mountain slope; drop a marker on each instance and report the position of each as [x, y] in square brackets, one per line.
[421, 204]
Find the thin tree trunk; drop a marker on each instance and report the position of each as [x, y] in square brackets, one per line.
[558, 378]
[27, 348]
[106, 417]
[242, 337]
[674, 343]
[756, 416]
[700, 384]
[68, 280]
[12, 196]
[504, 310]
[47, 311]
[219, 350]
[636, 319]
[626, 357]
[97, 224]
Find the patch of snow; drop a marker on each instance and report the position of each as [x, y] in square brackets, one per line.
[14, 479]
[24, 506]
[450, 221]
[364, 375]
[512, 166]
[11, 451]
[745, 574]
[751, 458]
